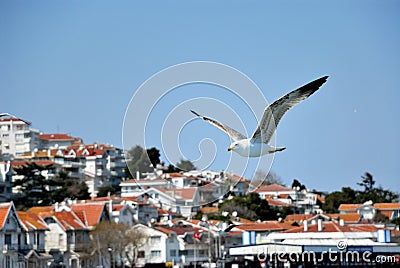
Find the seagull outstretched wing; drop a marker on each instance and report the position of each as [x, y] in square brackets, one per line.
[273, 113]
[233, 134]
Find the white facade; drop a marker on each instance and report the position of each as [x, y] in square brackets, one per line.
[159, 248]
[17, 137]
[12, 238]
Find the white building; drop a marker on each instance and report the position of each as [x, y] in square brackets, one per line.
[12, 237]
[17, 137]
[162, 246]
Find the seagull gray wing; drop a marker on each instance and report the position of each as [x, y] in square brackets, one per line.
[233, 134]
[273, 113]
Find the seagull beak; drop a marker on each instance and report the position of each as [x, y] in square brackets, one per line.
[229, 149]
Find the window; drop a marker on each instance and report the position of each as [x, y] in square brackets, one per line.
[190, 252]
[155, 253]
[140, 254]
[155, 239]
[19, 137]
[7, 239]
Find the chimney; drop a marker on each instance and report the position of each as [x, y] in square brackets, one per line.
[320, 226]
[305, 225]
[110, 206]
[341, 222]
[137, 175]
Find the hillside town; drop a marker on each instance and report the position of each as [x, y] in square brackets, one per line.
[170, 218]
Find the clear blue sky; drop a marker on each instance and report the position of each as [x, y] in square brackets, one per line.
[73, 66]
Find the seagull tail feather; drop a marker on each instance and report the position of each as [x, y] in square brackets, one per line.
[277, 150]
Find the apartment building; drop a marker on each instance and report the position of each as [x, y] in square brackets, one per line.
[17, 137]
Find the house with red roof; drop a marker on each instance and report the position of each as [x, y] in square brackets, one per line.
[190, 243]
[17, 137]
[57, 140]
[315, 240]
[12, 236]
[303, 201]
[254, 233]
[69, 227]
[368, 210]
[161, 247]
[35, 229]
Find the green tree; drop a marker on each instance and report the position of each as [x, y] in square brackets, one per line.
[139, 160]
[375, 194]
[298, 184]
[69, 188]
[251, 207]
[334, 199]
[35, 189]
[105, 190]
[396, 221]
[154, 156]
[185, 165]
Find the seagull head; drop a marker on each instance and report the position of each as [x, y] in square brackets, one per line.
[241, 147]
[233, 146]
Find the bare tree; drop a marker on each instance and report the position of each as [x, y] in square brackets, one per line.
[112, 242]
[262, 178]
[135, 238]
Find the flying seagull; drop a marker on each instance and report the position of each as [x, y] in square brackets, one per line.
[257, 145]
[13, 116]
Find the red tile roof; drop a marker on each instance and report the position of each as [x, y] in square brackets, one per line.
[209, 210]
[18, 164]
[277, 203]
[349, 206]
[69, 220]
[117, 207]
[186, 193]
[388, 214]
[164, 230]
[298, 217]
[4, 210]
[91, 212]
[350, 217]
[264, 226]
[166, 212]
[32, 221]
[273, 188]
[12, 119]
[379, 206]
[182, 229]
[387, 206]
[331, 227]
[38, 210]
[55, 137]
[236, 178]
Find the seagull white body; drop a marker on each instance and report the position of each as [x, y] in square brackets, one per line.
[258, 144]
[248, 148]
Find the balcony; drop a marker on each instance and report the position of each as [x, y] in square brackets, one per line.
[79, 246]
[118, 164]
[39, 247]
[15, 247]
